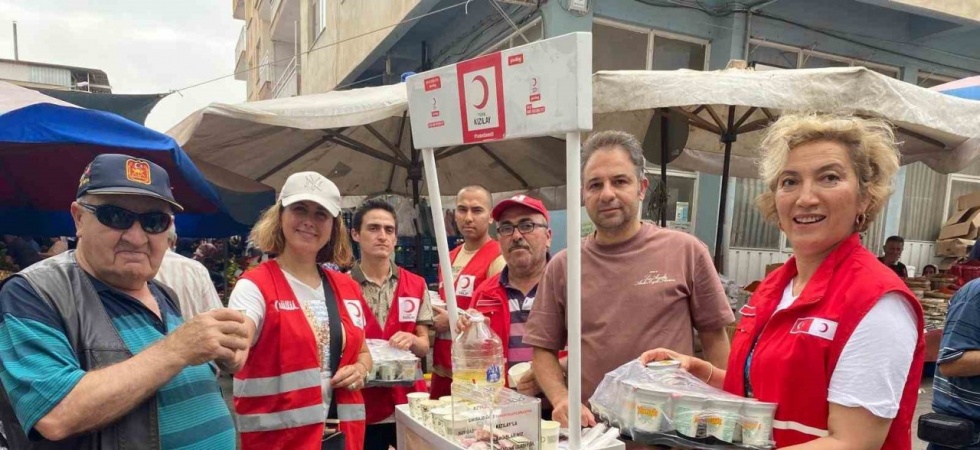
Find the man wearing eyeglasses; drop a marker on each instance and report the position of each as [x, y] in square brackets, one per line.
[506, 298]
[94, 354]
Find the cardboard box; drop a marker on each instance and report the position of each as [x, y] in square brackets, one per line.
[968, 201]
[947, 262]
[771, 267]
[954, 247]
[964, 224]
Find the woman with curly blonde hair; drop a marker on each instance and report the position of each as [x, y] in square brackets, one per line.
[833, 337]
[298, 386]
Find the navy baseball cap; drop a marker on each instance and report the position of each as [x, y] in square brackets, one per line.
[123, 174]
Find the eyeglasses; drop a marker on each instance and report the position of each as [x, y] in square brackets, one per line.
[524, 227]
[115, 217]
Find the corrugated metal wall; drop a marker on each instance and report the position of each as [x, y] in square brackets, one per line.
[919, 254]
[51, 75]
[922, 205]
[749, 228]
[748, 265]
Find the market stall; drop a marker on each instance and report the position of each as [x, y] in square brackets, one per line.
[536, 90]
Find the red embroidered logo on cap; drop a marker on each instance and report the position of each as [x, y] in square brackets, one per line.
[138, 171]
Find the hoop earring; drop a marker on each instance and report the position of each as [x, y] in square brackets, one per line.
[860, 220]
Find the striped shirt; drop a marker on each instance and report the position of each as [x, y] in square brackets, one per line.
[40, 367]
[959, 396]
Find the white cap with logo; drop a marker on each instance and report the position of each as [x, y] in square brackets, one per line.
[311, 186]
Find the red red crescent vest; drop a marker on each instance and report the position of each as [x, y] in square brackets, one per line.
[402, 316]
[277, 394]
[797, 348]
[471, 277]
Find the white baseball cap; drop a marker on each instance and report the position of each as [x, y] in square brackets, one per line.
[311, 186]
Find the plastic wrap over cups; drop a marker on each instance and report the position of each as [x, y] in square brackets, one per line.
[660, 404]
[392, 366]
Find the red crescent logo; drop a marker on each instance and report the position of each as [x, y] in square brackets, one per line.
[464, 282]
[486, 91]
[410, 307]
[534, 82]
[357, 309]
[825, 328]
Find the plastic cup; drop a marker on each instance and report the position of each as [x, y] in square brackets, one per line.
[627, 408]
[665, 364]
[549, 435]
[687, 414]
[651, 408]
[722, 417]
[757, 423]
[516, 372]
[425, 407]
[440, 418]
[415, 400]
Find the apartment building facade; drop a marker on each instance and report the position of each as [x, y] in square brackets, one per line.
[354, 43]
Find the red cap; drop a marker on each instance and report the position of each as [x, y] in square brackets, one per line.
[520, 200]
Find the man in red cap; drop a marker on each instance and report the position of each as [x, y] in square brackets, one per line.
[506, 298]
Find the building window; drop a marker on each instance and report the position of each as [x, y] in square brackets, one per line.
[764, 55]
[928, 80]
[318, 19]
[533, 31]
[671, 54]
[681, 197]
[617, 46]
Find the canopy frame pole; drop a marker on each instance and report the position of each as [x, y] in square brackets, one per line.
[663, 163]
[573, 191]
[731, 134]
[292, 159]
[442, 241]
[505, 166]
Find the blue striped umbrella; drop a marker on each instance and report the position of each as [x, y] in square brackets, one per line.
[968, 88]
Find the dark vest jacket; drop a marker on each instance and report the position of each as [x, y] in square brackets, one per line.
[97, 344]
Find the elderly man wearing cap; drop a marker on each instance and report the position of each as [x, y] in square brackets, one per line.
[95, 353]
[298, 385]
[506, 298]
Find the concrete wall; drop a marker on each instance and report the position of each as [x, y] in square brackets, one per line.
[324, 69]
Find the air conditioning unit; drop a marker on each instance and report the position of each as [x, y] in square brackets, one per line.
[520, 2]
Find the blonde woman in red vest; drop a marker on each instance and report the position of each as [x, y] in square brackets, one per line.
[833, 336]
[300, 381]
[473, 263]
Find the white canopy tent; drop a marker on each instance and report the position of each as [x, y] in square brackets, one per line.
[360, 139]
[725, 112]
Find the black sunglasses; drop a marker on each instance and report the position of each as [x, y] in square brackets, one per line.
[154, 222]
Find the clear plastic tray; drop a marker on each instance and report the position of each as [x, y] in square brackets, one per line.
[665, 405]
[392, 366]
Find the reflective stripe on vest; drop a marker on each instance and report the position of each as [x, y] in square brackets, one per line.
[292, 381]
[799, 427]
[350, 412]
[281, 420]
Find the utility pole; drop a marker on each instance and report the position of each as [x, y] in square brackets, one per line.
[16, 52]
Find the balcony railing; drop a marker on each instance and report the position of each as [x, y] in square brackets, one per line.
[264, 9]
[265, 68]
[238, 9]
[286, 84]
[240, 59]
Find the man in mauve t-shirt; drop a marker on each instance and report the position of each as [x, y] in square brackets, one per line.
[642, 286]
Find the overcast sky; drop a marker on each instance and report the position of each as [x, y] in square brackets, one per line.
[144, 46]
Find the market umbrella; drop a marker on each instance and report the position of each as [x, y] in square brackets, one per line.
[726, 112]
[360, 139]
[968, 88]
[45, 145]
